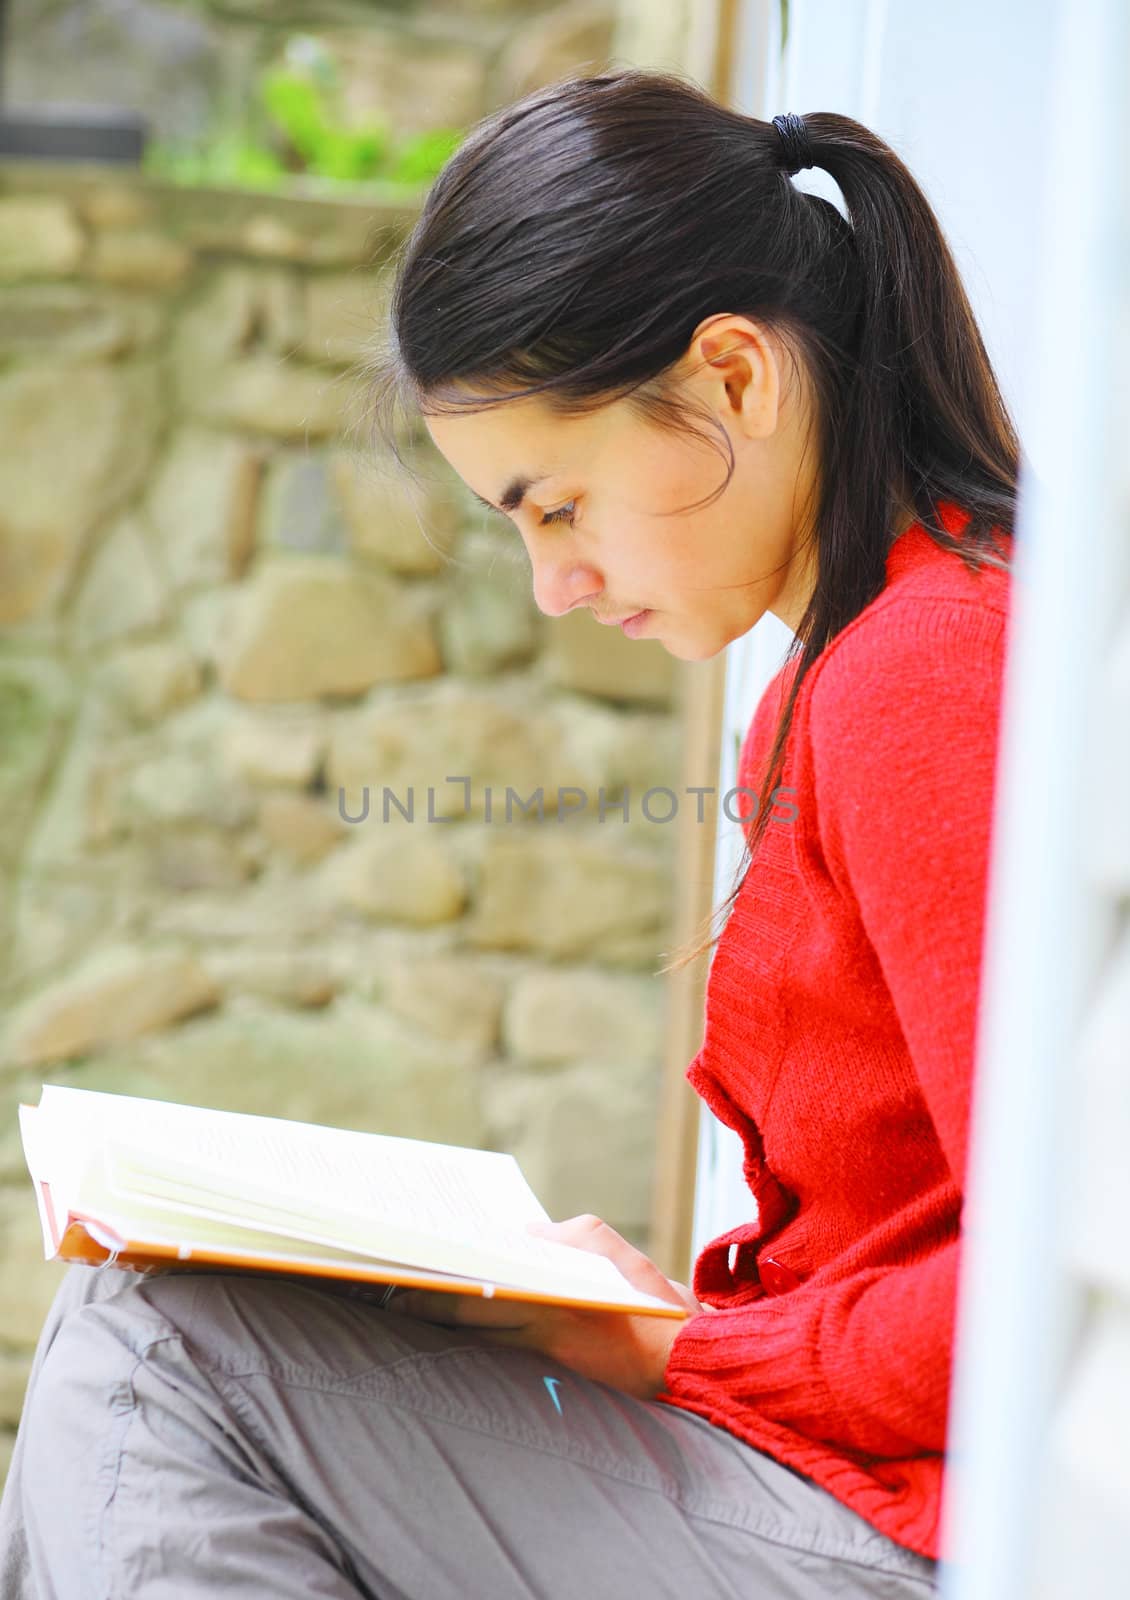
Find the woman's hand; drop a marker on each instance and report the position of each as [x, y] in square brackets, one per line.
[613, 1347]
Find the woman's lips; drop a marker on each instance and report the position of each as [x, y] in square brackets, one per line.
[629, 624]
[634, 626]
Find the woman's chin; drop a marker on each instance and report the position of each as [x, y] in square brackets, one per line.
[689, 648]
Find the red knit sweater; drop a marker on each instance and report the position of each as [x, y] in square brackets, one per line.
[841, 1012]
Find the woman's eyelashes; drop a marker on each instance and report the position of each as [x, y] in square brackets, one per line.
[565, 513]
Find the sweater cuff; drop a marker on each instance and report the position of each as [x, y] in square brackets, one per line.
[763, 1354]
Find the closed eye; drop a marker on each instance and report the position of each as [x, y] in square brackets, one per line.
[564, 513]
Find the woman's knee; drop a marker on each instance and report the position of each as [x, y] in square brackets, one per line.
[92, 1345]
[103, 1320]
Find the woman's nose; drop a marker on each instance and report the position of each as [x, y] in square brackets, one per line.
[561, 586]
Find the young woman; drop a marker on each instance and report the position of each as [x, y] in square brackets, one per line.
[698, 394]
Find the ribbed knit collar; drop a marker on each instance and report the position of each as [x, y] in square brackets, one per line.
[914, 548]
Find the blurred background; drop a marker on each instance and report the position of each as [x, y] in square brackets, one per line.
[229, 627]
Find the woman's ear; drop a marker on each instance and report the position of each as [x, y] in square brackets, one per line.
[734, 362]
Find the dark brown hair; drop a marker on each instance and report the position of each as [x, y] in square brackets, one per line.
[573, 243]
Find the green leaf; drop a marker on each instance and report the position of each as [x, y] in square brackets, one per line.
[296, 106]
[422, 155]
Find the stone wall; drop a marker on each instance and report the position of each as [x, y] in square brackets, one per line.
[221, 622]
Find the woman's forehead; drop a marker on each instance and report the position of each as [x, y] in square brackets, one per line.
[515, 446]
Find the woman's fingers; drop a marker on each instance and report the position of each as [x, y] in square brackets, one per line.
[588, 1232]
[584, 1232]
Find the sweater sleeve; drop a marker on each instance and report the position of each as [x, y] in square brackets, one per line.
[902, 729]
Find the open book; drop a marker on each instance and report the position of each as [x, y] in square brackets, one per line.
[145, 1183]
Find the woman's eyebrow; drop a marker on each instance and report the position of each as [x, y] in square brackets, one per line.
[512, 496]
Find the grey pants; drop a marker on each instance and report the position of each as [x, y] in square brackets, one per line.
[194, 1434]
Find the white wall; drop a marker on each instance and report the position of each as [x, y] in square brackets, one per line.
[961, 92]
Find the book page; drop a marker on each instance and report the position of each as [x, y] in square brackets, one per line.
[458, 1210]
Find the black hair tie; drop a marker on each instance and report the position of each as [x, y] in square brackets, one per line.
[796, 151]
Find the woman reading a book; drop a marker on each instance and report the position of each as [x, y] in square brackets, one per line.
[697, 393]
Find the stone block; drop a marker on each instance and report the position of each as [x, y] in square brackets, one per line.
[62, 323]
[342, 312]
[303, 827]
[36, 703]
[449, 997]
[399, 876]
[78, 441]
[223, 321]
[231, 361]
[488, 620]
[116, 994]
[267, 747]
[60, 913]
[586, 758]
[280, 309]
[203, 505]
[162, 788]
[564, 895]
[583, 655]
[113, 786]
[266, 394]
[415, 743]
[138, 258]
[287, 231]
[647, 754]
[391, 519]
[206, 616]
[622, 752]
[150, 679]
[174, 775]
[40, 237]
[183, 861]
[71, 817]
[557, 1016]
[300, 511]
[292, 977]
[584, 1136]
[311, 626]
[276, 240]
[238, 309]
[250, 915]
[122, 590]
[115, 206]
[359, 951]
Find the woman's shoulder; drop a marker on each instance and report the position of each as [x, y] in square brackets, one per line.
[934, 626]
[935, 618]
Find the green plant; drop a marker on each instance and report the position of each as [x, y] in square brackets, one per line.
[419, 158]
[302, 102]
[298, 106]
[223, 160]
